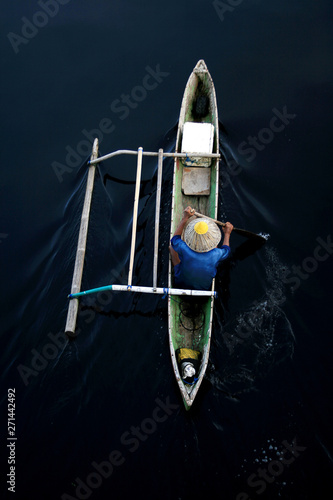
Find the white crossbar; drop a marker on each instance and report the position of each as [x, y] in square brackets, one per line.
[145, 289]
[152, 153]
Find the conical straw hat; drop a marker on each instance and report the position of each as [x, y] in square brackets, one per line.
[201, 234]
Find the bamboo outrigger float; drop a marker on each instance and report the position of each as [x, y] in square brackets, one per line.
[195, 183]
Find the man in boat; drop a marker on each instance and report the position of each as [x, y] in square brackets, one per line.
[194, 251]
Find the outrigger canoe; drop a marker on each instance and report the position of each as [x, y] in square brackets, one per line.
[195, 183]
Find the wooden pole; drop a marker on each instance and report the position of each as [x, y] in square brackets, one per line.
[81, 246]
[157, 214]
[135, 214]
[242, 232]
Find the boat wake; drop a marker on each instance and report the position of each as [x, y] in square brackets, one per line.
[255, 340]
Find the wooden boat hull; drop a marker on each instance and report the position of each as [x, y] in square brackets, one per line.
[190, 320]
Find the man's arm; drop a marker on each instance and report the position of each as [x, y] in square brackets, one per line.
[227, 229]
[188, 212]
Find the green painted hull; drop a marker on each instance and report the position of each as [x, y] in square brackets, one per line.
[190, 320]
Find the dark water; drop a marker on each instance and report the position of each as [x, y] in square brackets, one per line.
[101, 416]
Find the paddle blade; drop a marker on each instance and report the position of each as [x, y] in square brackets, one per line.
[249, 234]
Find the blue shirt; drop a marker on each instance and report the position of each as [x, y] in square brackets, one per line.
[196, 270]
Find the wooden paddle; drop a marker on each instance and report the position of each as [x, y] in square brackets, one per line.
[241, 232]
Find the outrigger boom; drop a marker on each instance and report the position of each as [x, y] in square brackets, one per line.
[152, 153]
[76, 293]
[145, 289]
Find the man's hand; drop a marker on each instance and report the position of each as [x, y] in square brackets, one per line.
[188, 212]
[227, 228]
[227, 231]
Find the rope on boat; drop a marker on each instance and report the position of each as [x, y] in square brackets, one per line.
[192, 312]
[188, 159]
